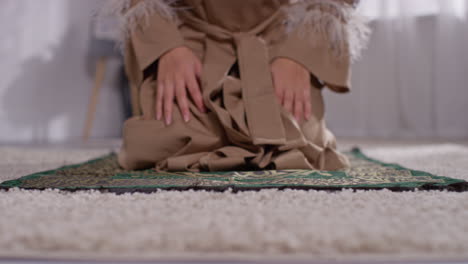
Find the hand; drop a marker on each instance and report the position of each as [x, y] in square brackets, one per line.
[179, 71]
[292, 86]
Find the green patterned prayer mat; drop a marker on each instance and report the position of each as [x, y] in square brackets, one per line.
[104, 174]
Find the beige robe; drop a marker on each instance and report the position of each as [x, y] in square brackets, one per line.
[246, 128]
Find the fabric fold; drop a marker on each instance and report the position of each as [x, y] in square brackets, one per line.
[246, 128]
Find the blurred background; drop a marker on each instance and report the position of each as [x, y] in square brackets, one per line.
[410, 83]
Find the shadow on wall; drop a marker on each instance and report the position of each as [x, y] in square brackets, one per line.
[34, 102]
[49, 98]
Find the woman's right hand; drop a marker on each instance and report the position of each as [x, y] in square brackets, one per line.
[179, 73]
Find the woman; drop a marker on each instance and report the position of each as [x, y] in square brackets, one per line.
[235, 85]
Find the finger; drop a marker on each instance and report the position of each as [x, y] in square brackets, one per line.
[198, 68]
[195, 92]
[279, 91]
[159, 100]
[298, 106]
[288, 100]
[198, 81]
[181, 95]
[281, 96]
[168, 101]
[307, 104]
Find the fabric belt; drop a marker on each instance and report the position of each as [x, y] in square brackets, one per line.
[262, 109]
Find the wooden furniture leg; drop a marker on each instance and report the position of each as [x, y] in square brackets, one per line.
[98, 81]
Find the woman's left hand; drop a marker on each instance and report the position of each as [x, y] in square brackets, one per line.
[292, 85]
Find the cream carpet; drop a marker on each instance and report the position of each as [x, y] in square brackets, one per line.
[266, 225]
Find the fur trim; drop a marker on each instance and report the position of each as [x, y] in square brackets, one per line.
[335, 21]
[130, 18]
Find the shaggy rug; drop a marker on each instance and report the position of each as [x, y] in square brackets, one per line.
[259, 225]
[105, 174]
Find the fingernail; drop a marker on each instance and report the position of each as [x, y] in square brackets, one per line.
[168, 120]
[186, 117]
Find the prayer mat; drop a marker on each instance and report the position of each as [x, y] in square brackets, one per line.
[104, 174]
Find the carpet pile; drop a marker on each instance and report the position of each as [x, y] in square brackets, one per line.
[267, 224]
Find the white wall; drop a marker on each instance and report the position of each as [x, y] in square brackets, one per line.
[413, 80]
[46, 78]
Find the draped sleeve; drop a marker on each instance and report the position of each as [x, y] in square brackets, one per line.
[325, 36]
[148, 29]
[151, 28]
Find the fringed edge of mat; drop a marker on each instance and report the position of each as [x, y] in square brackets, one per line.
[451, 185]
